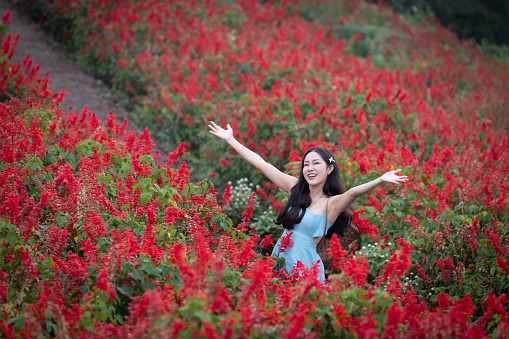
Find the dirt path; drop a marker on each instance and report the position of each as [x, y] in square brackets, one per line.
[84, 89]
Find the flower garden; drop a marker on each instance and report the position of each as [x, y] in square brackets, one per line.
[99, 237]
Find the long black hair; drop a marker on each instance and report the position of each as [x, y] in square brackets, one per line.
[293, 212]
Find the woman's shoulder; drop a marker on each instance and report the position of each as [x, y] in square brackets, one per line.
[338, 203]
[338, 196]
[335, 197]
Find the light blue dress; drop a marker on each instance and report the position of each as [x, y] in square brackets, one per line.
[304, 248]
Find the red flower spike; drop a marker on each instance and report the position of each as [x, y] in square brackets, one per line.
[285, 242]
[227, 196]
[336, 252]
[357, 270]
[363, 224]
[267, 241]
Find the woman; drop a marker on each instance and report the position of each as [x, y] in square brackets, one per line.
[318, 187]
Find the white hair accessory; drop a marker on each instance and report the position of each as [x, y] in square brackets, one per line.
[331, 160]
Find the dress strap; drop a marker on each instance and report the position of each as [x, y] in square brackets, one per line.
[316, 200]
[325, 209]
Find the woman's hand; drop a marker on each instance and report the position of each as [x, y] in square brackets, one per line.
[225, 134]
[341, 202]
[393, 177]
[278, 178]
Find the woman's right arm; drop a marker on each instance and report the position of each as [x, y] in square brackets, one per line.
[278, 178]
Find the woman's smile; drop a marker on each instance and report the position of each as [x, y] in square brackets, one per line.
[314, 168]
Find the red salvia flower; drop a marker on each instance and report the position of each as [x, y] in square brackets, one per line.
[285, 242]
[173, 156]
[422, 274]
[394, 314]
[336, 252]
[3, 286]
[503, 264]
[357, 270]
[363, 223]
[227, 195]
[267, 241]
[399, 261]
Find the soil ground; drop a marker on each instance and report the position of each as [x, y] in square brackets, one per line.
[84, 90]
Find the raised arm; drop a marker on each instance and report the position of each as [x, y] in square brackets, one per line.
[340, 203]
[278, 178]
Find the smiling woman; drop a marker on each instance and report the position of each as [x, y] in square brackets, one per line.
[318, 189]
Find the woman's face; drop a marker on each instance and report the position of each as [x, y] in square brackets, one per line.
[315, 169]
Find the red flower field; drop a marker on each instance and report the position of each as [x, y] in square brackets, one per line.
[102, 238]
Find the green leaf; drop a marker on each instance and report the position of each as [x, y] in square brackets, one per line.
[418, 242]
[103, 316]
[145, 197]
[492, 270]
[126, 290]
[370, 209]
[51, 327]
[36, 164]
[177, 281]
[138, 274]
[155, 171]
[204, 316]
[145, 183]
[151, 269]
[204, 186]
[149, 286]
[83, 289]
[165, 270]
[119, 318]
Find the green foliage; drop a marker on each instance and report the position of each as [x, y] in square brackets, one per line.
[264, 223]
[377, 257]
[240, 193]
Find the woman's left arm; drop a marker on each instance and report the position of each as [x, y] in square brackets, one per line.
[341, 202]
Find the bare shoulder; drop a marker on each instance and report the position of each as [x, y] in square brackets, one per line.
[339, 203]
[335, 198]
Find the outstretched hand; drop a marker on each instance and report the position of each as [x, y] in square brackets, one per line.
[393, 177]
[220, 132]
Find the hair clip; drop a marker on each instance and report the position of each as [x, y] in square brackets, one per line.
[331, 160]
